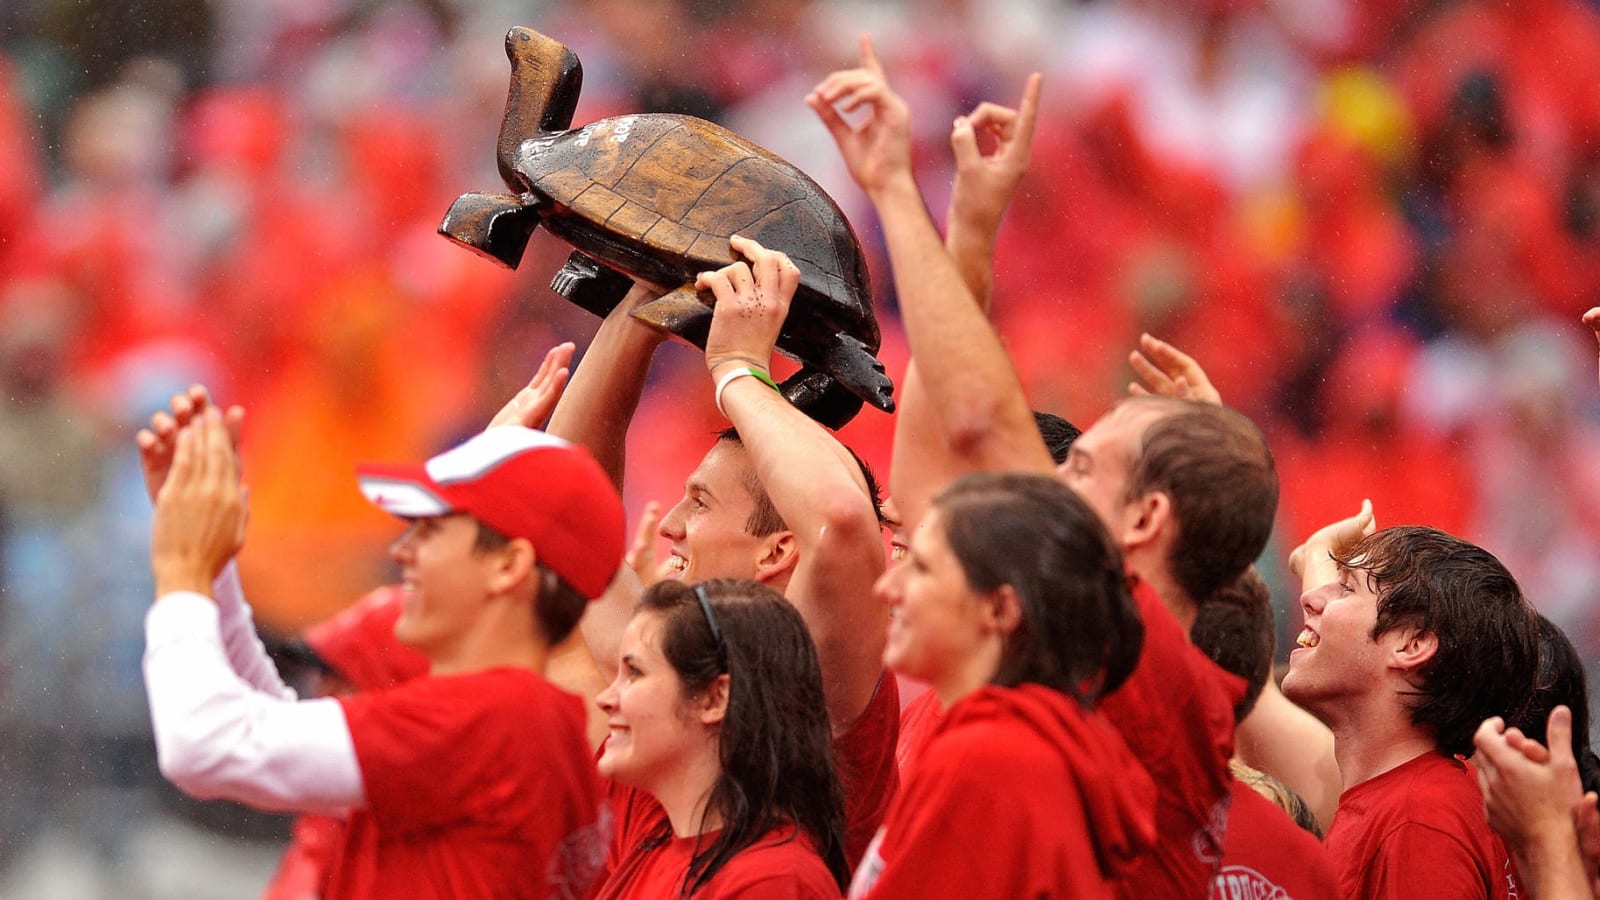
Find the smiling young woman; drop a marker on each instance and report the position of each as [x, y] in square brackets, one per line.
[1014, 606]
[719, 752]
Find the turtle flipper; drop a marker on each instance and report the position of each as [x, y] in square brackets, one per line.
[590, 285]
[820, 396]
[855, 367]
[494, 226]
[682, 312]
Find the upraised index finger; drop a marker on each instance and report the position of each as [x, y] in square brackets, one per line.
[869, 56]
[1028, 110]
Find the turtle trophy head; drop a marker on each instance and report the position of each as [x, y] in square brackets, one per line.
[546, 79]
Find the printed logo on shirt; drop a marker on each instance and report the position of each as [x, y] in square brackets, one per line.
[1511, 882]
[871, 867]
[1208, 840]
[1245, 883]
[579, 860]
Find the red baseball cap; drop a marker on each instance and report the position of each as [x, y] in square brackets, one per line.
[524, 484]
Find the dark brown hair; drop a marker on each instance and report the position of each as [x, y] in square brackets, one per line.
[774, 743]
[1215, 466]
[1080, 632]
[1233, 627]
[1459, 593]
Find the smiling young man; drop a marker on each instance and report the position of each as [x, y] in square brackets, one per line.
[474, 781]
[777, 499]
[1417, 639]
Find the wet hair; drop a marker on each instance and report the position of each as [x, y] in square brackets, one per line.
[1234, 627]
[774, 743]
[1058, 434]
[1487, 633]
[1215, 466]
[1279, 793]
[558, 606]
[1560, 681]
[764, 519]
[1080, 632]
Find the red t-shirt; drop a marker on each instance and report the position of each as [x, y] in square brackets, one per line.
[781, 864]
[865, 753]
[1266, 855]
[1418, 831]
[477, 785]
[1021, 792]
[1176, 713]
[918, 721]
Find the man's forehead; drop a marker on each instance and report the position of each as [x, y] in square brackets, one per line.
[724, 465]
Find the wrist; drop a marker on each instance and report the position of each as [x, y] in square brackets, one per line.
[971, 227]
[895, 186]
[721, 362]
[172, 579]
[731, 374]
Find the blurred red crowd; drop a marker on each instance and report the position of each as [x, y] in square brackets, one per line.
[1375, 222]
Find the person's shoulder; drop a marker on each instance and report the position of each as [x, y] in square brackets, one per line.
[487, 694]
[965, 746]
[781, 864]
[1431, 793]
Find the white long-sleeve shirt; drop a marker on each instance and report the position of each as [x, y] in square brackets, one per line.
[226, 726]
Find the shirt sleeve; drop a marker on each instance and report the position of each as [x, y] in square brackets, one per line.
[220, 736]
[236, 624]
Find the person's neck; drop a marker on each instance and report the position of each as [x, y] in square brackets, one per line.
[1173, 597]
[967, 676]
[1368, 743]
[687, 795]
[491, 648]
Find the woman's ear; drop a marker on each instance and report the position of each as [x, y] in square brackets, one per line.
[1007, 609]
[713, 701]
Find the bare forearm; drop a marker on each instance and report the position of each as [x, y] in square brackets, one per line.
[604, 392]
[972, 246]
[965, 370]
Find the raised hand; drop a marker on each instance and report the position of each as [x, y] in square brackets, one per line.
[157, 441]
[752, 300]
[533, 404]
[1166, 370]
[642, 551]
[201, 508]
[985, 182]
[1336, 537]
[1535, 801]
[878, 150]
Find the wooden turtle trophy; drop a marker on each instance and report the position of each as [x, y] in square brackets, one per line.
[655, 197]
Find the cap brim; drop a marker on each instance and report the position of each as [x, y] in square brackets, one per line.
[402, 490]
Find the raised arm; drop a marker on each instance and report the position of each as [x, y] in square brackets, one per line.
[811, 479]
[603, 394]
[980, 416]
[986, 182]
[218, 735]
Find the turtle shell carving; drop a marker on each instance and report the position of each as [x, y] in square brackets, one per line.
[655, 197]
